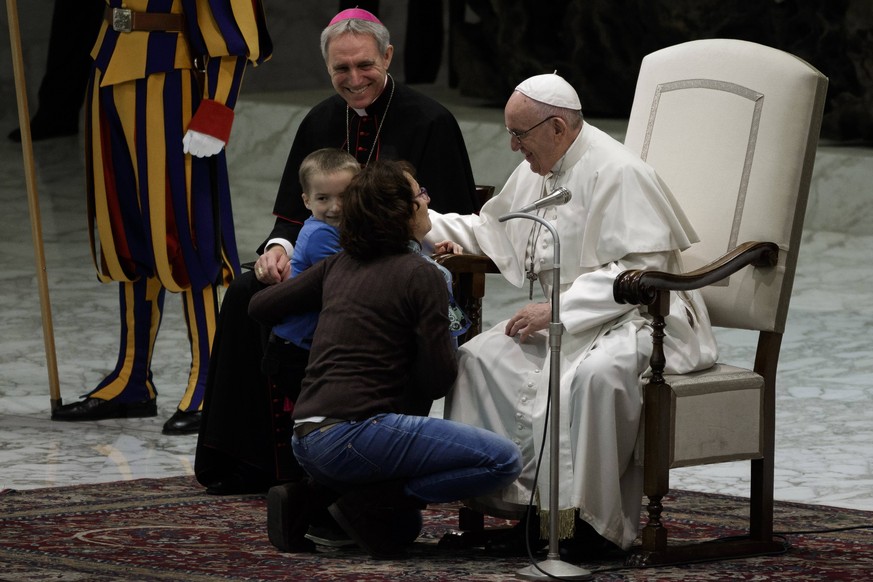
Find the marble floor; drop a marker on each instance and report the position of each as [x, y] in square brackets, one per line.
[825, 383]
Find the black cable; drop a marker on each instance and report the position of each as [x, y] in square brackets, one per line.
[786, 546]
[533, 490]
[818, 531]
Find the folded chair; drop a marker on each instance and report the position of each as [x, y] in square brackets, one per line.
[732, 128]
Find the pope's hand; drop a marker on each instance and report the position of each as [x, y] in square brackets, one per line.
[531, 318]
[201, 145]
[448, 246]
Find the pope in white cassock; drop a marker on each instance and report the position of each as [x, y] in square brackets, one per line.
[621, 216]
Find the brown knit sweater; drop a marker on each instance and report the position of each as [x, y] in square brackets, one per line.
[382, 342]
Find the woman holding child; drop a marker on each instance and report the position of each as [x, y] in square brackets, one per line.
[382, 353]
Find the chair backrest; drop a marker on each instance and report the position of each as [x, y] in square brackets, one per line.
[732, 128]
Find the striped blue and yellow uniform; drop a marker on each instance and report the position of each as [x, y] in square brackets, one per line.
[161, 219]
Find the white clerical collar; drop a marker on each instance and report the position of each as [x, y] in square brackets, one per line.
[574, 152]
[363, 112]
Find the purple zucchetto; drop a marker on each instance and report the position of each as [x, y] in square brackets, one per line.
[354, 13]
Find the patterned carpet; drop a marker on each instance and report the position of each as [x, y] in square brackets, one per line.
[169, 529]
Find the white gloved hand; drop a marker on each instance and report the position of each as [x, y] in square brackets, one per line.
[201, 145]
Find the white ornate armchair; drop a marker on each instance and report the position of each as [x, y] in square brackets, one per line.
[732, 127]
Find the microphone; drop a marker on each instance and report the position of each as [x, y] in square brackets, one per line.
[557, 197]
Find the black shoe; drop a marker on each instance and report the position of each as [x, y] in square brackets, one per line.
[369, 515]
[511, 542]
[368, 527]
[238, 478]
[236, 485]
[576, 551]
[330, 535]
[587, 545]
[288, 509]
[183, 422]
[98, 409]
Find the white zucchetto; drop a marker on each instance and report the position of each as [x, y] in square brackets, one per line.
[551, 89]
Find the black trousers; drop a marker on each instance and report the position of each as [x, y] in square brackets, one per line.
[245, 430]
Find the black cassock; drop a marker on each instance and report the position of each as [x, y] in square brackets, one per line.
[414, 128]
[244, 440]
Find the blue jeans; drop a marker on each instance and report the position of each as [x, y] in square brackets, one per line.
[441, 460]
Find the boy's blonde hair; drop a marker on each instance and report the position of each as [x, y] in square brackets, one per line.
[326, 161]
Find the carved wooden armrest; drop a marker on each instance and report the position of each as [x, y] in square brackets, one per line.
[466, 263]
[468, 285]
[652, 288]
[641, 287]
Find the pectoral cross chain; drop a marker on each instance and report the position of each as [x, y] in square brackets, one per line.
[531, 276]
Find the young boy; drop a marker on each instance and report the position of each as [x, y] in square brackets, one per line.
[324, 175]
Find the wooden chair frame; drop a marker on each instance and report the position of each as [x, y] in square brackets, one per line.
[652, 288]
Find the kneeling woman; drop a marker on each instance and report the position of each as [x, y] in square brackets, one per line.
[382, 353]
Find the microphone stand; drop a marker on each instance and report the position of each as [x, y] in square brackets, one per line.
[552, 567]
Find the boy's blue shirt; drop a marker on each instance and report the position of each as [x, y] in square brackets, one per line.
[317, 240]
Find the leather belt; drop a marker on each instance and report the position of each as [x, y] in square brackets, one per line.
[301, 430]
[126, 20]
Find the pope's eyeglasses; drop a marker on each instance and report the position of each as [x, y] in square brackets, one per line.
[520, 135]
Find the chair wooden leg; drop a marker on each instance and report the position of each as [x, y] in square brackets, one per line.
[655, 551]
[654, 535]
